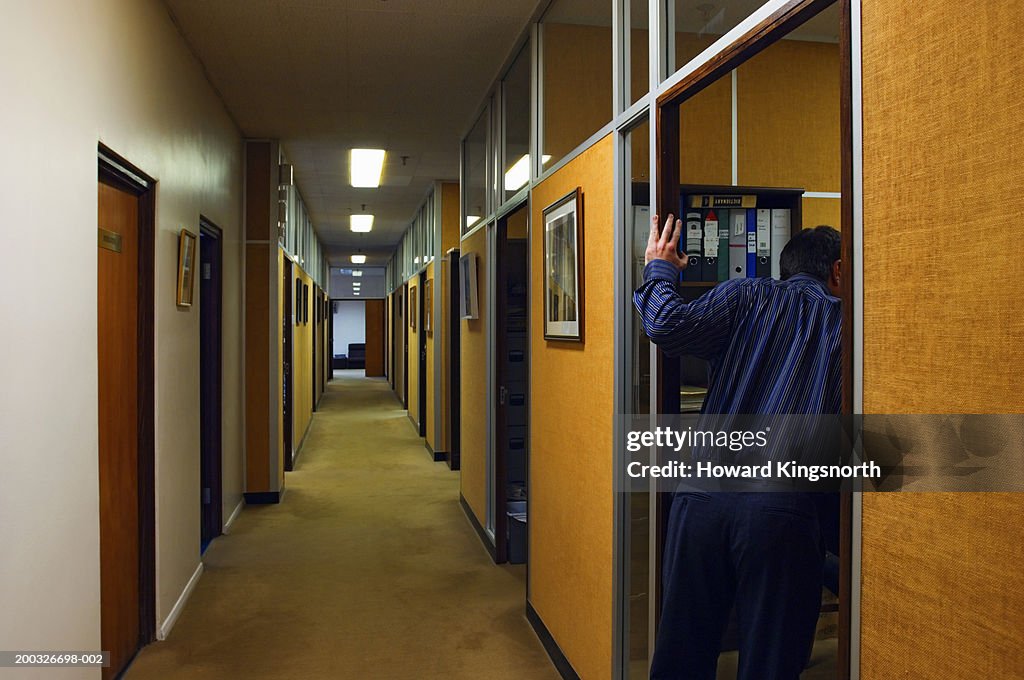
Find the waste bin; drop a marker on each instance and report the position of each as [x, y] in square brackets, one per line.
[516, 513]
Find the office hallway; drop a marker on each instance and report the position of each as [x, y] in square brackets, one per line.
[367, 569]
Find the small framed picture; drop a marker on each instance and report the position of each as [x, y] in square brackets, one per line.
[187, 257]
[305, 303]
[469, 303]
[563, 268]
[428, 307]
[298, 302]
[412, 307]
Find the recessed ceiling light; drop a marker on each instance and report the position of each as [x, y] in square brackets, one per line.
[361, 223]
[365, 167]
[357, 272]
[359, 259]
[355, 292]
[356, 284]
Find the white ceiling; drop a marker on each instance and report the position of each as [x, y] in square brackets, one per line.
[324, 76]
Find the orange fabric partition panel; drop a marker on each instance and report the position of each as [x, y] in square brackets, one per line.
[570, 506]
[787, 105]
[942, 593]
[374, 338]
[302, 359]
[473, 388]
[257, 367]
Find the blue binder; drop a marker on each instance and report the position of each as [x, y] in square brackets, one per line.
[751, 243]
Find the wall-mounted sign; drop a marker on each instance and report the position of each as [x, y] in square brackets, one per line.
[109, 240]
[723, 201]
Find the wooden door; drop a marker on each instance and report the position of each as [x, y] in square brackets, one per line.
[118, 372]
[374, 334]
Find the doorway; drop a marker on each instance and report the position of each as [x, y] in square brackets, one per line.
[292, 297]
[453, 317]
[421, 354]
[210, 322]
[512, 376]
[405, 347]
[796, 65]
[125, 218]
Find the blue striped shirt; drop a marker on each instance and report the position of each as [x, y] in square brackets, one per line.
[773, 347]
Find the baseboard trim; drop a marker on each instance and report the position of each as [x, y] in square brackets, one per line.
[234, 515]
[480, 531]
[438, 456]
[561, 663]
[172, 617]
[415, 425]
[262, 497]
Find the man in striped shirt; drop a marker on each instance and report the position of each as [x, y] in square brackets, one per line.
[773, 347]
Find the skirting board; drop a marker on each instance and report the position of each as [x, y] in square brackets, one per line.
[438, 456]
[234, 515]
[262, 497]
[172, 617]
[484, 538]
[562, 664]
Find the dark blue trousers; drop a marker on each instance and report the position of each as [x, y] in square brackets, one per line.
[761, 552]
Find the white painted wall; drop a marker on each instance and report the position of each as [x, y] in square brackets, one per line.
[75, 74]
[349, 324]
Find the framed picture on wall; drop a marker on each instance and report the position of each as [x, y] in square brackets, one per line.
[412, 308]
[187, 257]
[563, 268]
[305, 303]
[297, 312]
[469, 302]
[428, 307]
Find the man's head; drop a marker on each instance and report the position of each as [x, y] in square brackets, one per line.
[814, 252]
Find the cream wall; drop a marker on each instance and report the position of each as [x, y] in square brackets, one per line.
[117, 72]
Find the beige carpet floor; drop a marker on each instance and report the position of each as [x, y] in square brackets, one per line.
[367, 569]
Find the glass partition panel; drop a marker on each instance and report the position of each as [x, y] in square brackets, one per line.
[636, 551]
[576, 85]
[474, 178]
[638, 54]
[699, 23]
[516, 97]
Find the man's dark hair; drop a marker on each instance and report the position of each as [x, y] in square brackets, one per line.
[812, 252]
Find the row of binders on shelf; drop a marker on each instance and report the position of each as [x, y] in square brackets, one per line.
[733, 243]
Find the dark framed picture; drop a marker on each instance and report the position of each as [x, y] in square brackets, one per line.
[305, 303]
[412, 307]
[469, 303]
[187, 258]
[428, 307]
[563, 268]
[298, 302]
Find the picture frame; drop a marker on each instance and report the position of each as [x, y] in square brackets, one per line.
[187, 258]
[298, 302]
[305, 303]
[469, 301]
[412, 307]
[563, 268]
[428, 307]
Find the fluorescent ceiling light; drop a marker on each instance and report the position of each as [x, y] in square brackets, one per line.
[519, 174]
[365, 166]
[471, 220]
[357, 272]
[356, 284]
[359, 259]
[355, 292]
[360, 222]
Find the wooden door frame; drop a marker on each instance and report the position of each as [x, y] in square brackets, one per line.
[115, 170]
[209, 229]
[758, 38]
[405, 346]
